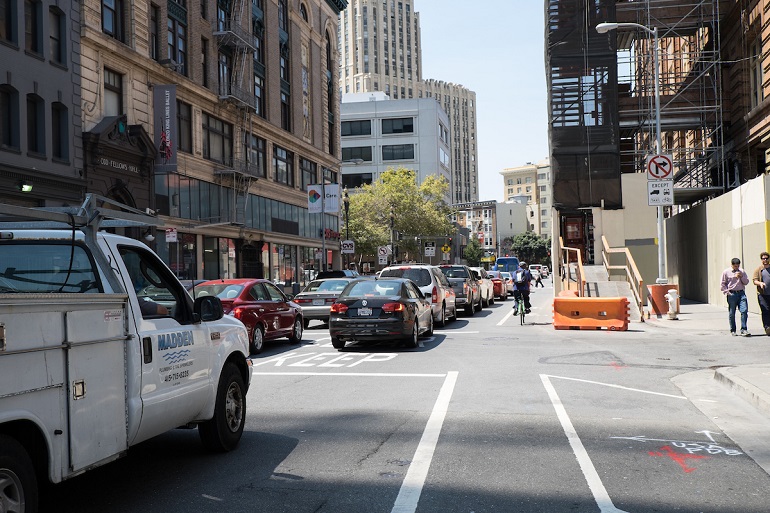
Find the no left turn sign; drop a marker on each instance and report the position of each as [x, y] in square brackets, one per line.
[659, 167]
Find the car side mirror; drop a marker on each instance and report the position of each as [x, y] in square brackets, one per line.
[429, 295]
[208, 308]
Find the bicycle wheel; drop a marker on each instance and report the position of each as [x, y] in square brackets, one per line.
[522, 312]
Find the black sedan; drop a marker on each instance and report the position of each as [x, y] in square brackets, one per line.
[383, 309]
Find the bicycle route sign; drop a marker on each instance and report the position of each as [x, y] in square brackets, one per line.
[660, 167]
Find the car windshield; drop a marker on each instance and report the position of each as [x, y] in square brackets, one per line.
[221, 290]
[506, 275]
[418, 275]
[454, 272]
[372, 288]
[326, 286]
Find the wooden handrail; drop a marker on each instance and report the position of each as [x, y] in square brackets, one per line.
[567, 281]
[633, 276]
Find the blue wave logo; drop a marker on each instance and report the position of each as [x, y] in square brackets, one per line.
[176, 356]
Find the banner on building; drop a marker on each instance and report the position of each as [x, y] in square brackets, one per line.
[323, 198]
[166, 130]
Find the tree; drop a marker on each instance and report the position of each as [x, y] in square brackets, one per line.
[531, 247]
[419, 211]
[473, 253]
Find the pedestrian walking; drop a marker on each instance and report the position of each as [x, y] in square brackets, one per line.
[761, 279]
[733, 286]
[539, 279]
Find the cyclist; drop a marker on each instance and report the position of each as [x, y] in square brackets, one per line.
[521, 281]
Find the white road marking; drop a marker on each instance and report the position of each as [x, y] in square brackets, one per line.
[507, 316]
[411, 488]
[357, 374]
[617, 386]
[464, 332]
[600, 494]
[211, 497]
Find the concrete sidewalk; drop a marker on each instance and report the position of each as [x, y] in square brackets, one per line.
[749, 382]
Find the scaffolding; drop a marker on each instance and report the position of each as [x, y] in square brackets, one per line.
[691, 114]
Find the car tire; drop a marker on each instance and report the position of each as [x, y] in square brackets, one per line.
[442, 319]
[337, 343]
[257, 340]
[479, 306]
[296, 332]
[504, 297]
[17, 475]
[429, 332]
[411, 341]
[470, 308]
[306, 323]
[223, 431]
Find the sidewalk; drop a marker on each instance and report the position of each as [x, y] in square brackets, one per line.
[749, 382]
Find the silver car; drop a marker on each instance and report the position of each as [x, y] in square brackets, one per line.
[318, 296]
[431, 281]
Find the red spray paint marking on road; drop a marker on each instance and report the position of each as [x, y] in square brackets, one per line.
[617, 366]
[680, 459]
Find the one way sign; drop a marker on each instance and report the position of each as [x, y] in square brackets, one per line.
[659, 167]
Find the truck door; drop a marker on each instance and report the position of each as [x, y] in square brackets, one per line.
[174, 354]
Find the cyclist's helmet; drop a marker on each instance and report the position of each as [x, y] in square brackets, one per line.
[523, 265]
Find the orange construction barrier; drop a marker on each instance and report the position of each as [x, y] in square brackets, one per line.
[590, 313]
[568, 293]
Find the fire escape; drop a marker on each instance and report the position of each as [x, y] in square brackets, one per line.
[235, 47]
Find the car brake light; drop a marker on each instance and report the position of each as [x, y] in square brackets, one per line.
[339, 308]
[434, 295]
[393, 307]
[465, 288]
[330, 300]
[237, 312]
[296, 300]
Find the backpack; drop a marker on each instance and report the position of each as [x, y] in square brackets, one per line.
[521, 277]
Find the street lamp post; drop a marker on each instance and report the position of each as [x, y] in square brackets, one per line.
[603, 28]
[346, 203]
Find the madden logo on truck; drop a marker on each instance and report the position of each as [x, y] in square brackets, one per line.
[95, 330]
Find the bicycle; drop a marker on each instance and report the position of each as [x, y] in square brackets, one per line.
[520, 310]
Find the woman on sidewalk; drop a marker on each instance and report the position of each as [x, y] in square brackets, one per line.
[762, 281]
[733, 286]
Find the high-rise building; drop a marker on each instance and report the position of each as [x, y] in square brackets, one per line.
[530, 184]
[380, 51]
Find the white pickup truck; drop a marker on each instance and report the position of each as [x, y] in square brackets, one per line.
[101, 348]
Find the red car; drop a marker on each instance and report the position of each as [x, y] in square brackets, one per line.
[498, 283]
[267, 313]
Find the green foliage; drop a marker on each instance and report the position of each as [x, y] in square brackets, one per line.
[529, 247]
[419, 211]
[473, 253]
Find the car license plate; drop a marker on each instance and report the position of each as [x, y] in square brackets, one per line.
[364, 311]
[318, 302]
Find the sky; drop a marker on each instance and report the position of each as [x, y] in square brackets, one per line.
[495, 50]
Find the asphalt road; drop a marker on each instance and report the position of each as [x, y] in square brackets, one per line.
[485, 416]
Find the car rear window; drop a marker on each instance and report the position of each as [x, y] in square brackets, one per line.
[454, 272]
[420, 276]
[326, 286]
[47, 267]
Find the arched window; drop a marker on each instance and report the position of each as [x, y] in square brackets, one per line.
[303, 12]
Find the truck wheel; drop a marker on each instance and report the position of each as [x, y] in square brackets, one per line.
[257, 340]
[296, 332]
[18, 484]
[223, 431]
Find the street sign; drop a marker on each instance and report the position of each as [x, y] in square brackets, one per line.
[383, 259]
[430, 249]
[383, 251]
[348, 246]
[445, 256]
[171, 235]
[446, 248]
[660, 167]
[660, 192]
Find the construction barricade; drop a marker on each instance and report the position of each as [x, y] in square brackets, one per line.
[591, 313]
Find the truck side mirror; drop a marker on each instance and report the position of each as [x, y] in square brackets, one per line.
[208, 308]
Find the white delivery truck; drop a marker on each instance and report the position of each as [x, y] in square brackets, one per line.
[101, 348]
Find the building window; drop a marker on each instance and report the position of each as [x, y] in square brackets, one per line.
[256, 154]
[177, 44]
[357, 153]
[528, 179]
[283, 15]
[184, 123]
[8, 21]
[217, 140]
[205, 61]
[398, 152]
[225, 67]
[362, 127]
[113, 93]
[59, 132]
[35, 124]
[309, 172]
[285, 111]
[154, 32]
[259, 94]
[303, 12]
[32, 26]
[283, 166]
[330, 176]
[398, 126]
[112, 18]
[543, 201]
[9, 118]
[757, 92]
[56, 38]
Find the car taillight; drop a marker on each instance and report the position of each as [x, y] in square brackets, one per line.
[330, 300]
[434, 295]
[339, 308]
[465, 288]
[392, 307]
[296, 300]
[237, 312]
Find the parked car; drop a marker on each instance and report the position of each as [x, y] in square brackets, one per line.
[508, 280]
[465, 285]
[486, 287]
[317, 298]
[535, 267]
[545, 271]
[501, 290]
[431, 281]
[261, 306]
[383, 309]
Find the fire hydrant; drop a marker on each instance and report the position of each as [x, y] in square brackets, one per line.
[672, 298]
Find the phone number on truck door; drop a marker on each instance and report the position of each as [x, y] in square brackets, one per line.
[174, 376]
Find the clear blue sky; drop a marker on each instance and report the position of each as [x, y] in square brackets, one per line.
[496, 50]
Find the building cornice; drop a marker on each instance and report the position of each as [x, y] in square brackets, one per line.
[337, 5]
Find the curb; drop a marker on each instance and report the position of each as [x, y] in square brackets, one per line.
[752, 394]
